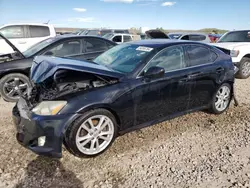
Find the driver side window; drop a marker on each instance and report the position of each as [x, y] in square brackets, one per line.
[171, 58]
[66, 48]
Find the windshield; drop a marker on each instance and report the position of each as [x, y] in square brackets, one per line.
[108, 36]
[37, 47]
[236, 36]
[124, 58]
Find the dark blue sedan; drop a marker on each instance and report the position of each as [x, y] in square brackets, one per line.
[86, 105]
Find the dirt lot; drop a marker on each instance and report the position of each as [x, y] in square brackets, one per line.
[196, 150]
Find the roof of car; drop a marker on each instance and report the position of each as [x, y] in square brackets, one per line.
[36, 24]
[77, 36]
[189, 33]
[162, 42]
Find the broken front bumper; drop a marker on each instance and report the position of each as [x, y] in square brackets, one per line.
[41, 134]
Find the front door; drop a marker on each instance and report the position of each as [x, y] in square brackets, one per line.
[165, 96]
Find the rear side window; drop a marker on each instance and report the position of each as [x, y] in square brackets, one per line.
[197, 37]
[94, 45]
[13, 32]
[198, 55]
[39, 31]
[194, 37]
[213, 56]
[127, 38]
[117, 38]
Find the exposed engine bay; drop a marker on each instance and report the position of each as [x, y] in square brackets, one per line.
[9, 57]
[66, 82]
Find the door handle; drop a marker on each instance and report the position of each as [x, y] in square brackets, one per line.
[183, 80]
[219, 70]
[193, 75]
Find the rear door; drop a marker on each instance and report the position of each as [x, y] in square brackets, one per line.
[92, 47]
[17, 35]
[36, 34]
[202, 74]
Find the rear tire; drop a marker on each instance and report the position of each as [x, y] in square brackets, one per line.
[91, 134]
[13, 84]
[221, 99]
[244, 68]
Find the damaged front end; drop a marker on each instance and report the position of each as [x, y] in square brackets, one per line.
[56, 77]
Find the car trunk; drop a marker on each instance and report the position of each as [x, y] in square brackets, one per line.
[156, 34]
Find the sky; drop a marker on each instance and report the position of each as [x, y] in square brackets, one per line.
[177, 14]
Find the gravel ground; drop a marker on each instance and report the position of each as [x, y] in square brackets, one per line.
[196, 150]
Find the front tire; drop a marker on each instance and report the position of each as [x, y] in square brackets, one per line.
[221, 99]
[91, 134]
[244, 68]
[13, 85]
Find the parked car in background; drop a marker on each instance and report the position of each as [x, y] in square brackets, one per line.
[201, 37]
[121, 38]
[15, 67]
[133, 85]
[156, 34]
[238, 42]
[174, 35]
[214, 37]
[102, 32]
[24, 35]
[78, 31]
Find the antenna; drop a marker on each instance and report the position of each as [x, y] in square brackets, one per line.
[47, 22]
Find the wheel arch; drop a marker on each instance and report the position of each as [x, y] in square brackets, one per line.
[24, 72]
[103, 106]
[247, 55]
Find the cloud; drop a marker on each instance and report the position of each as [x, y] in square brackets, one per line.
[168, 4]
[79, 9]
[147, 2]
[118, 1]
[87, 20]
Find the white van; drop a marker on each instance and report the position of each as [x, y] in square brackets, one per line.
[24, 35]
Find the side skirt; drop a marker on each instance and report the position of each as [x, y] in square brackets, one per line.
[147, 124]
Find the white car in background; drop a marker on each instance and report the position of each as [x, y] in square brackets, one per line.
[121, 37]
[238, 42]
[24, 35]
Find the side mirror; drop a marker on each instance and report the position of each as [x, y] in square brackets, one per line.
[154, 72]
[49, 53]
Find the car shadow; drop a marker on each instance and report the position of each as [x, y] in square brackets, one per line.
[47, 172]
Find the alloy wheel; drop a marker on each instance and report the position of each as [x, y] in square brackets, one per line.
[14, 87]
[95, 134]
[222, 98]
[246, 68]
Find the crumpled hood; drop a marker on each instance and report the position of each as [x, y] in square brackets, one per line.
[230, 45]
[44, 67]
